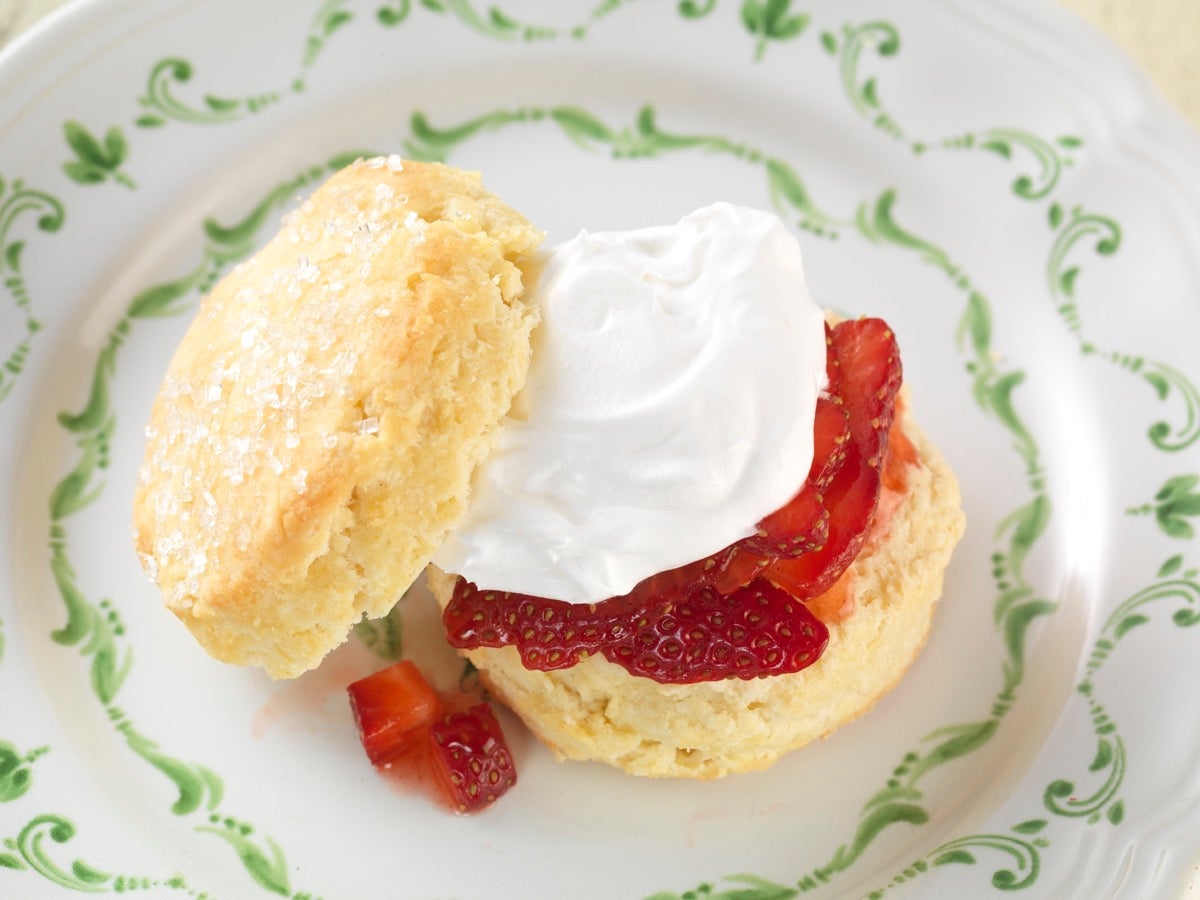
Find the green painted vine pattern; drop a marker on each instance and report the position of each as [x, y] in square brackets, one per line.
[16, 776]
[94, 627]
[19, 205]
[848, 46]
[1072, 229]
[1173, 582]
[1019, 852]
[642, 140]
[383, 636]
[96, 160]
[33, 850]
[1176, 502]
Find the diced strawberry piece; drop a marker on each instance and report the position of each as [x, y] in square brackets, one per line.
[471, 758]
[392, 708]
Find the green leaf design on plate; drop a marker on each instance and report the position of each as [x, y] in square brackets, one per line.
[1073, 229]
[96, 162]
[1024, 856]
[18, 203]
[1063, 274]
[15, 773]
[1050, 157]
[436, 144]
[197, 785]
[391, 15]
[270, 871]
[384, 636]
[645, 139]
[1166, 381]
[750, 887]
[495, 23]
[875, 818]
[160, 102]
[696, 9]
[1062, 796]
[35, 844]
[771, 20]
[330, 18]
[863, 93]
[1176, 501]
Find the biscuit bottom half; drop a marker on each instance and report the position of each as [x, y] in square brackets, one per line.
[598, 711]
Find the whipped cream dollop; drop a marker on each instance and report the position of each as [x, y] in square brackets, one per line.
[669, 408]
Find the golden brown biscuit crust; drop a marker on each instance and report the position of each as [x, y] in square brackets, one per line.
[598, 711]
[315, 434]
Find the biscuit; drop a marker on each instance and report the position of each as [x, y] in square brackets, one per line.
[598, 711]
[314, 437]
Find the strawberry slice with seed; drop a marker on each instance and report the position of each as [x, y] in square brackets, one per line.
[870, 376]
[757, 630]
[674, 637]
[471, 759]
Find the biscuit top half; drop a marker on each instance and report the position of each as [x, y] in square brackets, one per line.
[314, 437]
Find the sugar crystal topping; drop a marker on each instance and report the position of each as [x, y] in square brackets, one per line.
[265, 393]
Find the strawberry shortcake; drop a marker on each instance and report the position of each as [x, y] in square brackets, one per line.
[681, 521]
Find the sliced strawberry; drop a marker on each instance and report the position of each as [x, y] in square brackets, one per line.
[738, 567]
[803, 524]
[852, 499]
[869, 363]
[831, 434]
[756, 631]
[675, 637]
[471, 758]
[870, 372]
[392, 708]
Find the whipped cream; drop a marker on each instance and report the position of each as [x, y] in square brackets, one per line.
[669, 408]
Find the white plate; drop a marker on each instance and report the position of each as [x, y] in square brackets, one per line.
[990, 178]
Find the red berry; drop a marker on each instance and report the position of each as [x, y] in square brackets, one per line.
[471, 758]
[870, 373]
[392, 708]
[755, 631]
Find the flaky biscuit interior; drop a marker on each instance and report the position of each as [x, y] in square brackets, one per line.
[314, 437]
